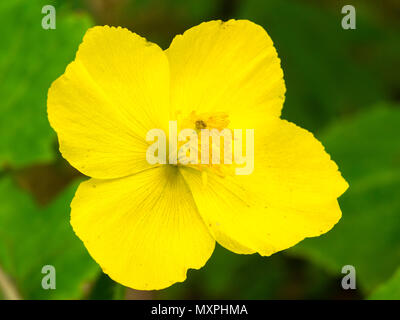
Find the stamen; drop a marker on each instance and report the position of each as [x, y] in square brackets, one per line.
[200, 124]
[208, 120]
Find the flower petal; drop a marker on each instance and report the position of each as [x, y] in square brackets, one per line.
[226, 66]
[143, 230]
[292, 193]
[108, 98]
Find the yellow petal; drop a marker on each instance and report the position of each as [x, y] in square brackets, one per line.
[293, 167]
[143, 230]
[290, 195]
[226, 67]
[108, 98]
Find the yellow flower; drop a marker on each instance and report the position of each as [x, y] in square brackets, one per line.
[147, 224]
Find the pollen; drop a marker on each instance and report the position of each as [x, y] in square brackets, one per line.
[200, 124]
[216, 123]
[206, 120]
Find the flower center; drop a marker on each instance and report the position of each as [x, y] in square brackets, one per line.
[214, 142]
[200, 124]
[206, 120]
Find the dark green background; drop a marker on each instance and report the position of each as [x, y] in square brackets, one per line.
[343, 85]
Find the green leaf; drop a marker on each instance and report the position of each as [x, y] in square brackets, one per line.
[389, 290]
[367, 151]
[107, 289]
[325, 76]
[231, 276]
[30, 60]
[32, 237]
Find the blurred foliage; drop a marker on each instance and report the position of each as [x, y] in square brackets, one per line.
[31, 58]
[389, 290]
[32, 237]
[367, 150]
[324, 65]
[232, 276]
[157, 20]
[343, 85]
[106, 289]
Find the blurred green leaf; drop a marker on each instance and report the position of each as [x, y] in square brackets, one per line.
[389, 290]
[32, 237]
[107, 289]
[367, 151]
[159, 20]
[30, 59]
[325, 74]
[231, 276]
